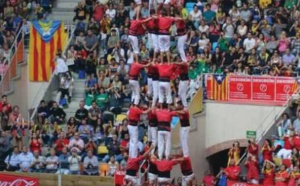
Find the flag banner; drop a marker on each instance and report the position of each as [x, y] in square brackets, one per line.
[218, 87]
[259, 89]
[263, 88]
[16, 180]
[45, 39]
[240, 87]
[119, 177]
[285, 87]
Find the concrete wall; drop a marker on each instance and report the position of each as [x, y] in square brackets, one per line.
[197, 148]
[229, 122]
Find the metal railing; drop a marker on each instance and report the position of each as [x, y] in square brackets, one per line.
[47, 88]
[10, 65]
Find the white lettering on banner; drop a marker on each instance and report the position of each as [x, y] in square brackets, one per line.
[239, 184]
[263, 80]
[241, 79]
[18, 182]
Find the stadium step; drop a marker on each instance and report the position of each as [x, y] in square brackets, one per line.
[64, 11]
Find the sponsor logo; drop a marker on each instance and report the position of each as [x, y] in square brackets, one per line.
[18, 182]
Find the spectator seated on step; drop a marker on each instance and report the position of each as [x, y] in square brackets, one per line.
[61, 143]
[85, 130]
[94, 114]
[63, 160]
[76, 144]
[39, 162]
[56, 114]
[52, 162]
[81, 112]
[102, 99]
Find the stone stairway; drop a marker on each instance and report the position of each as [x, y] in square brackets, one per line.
[64, 11]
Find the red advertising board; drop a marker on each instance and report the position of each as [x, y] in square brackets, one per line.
[119, 177]
[263, 88]
[285, 87]
[15, 180]
[234, 183]
[240, 88]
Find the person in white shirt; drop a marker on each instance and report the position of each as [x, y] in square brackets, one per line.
[26, 160]
[90, 164]
[12, 161]
[110, 12]
[113, 165]
[76, 143]
[61, 66]
[228, 29]
[195, 16]
[118, 53]
[66, 86]
[74, 162]
[52, 162]
[249, 43]
[38, 163]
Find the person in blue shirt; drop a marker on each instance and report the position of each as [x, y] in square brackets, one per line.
[209, 15]
[12, 161]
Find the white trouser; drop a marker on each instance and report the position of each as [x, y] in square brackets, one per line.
[184, 137]
[155, 86]
[152, 136]
[150, 86]
[154, 40]
[132, 179]
[134, 41]
[182, 91]
[164, 89]
[164, 43]
[180, 47]
[164, 180]
[187, 179]
[133, 142]
[135, 88]
[284, 153]
[164, 144]
[152, 178]
[164, 1]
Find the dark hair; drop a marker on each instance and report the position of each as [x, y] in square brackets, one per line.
[4, 96]
[164, 105]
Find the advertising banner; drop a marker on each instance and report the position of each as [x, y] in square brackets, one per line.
[12, 180]
[233, 183]
[240, 87]
[285, 87]
[263, 88]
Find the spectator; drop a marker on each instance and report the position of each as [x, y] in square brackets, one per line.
[63, 162]
[267, 151]
[281, 177]
[57, 114]
[232, 171]
[5, 110]
[208, 179]
[81, 113]
[26, 159]
[74, 161]
[76, 143]
[90, 164]
[268, 171]
[286, 151]
[113, 165]
[85, 131]
[252, 148]
[38, 164]
[35, 143]
[60, 143]
[52, 162]
[234, 153]
[12, 160]
[253, 170]
[42, 111]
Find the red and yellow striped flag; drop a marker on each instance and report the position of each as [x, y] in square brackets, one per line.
[218, 87]
[45, 39]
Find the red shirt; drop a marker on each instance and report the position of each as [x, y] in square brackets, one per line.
[152, 25]
[134, 163]
[282, 174]
[233, 172]
[135, 70]
[6, 106]
[287, 143]
[186, 166]
[153, 72]
[165, 70]
[59, 144]
[180, 25]
[297, 142]
[185, 119]
[269, 176]
[152, 119]
[35, 145]
[253, 149]
[253, 172]
[134, 115]
[208, 180]
[164, 118]
[99, 12]
[165, 165]
[134, 27]
[267, 153]
[164, 24]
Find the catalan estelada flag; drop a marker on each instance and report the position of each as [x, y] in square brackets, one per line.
[46, 37]
[218, 87]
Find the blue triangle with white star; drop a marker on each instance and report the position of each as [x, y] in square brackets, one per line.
[219, 78]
